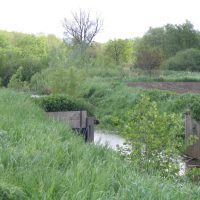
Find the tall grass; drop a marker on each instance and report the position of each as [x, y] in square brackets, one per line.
[43, 159]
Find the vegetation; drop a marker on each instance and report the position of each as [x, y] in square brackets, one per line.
[81, 29]
[42, 159]
[172, 47]
[156, 137]
[188, 60]
[31, 53]
[120, 51]
[56, 103]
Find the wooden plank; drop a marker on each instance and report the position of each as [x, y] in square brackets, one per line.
[76, 119]
[192, 127]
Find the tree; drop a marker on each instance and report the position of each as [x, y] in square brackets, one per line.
[149, 59]
[188, 59]
[170, 38]
[120, 51]
[17, 81]
[81, 29]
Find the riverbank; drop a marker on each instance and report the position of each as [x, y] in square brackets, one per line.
[43, 159]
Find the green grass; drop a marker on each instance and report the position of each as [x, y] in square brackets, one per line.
[43, 159]
[163, 76]
[113, 100]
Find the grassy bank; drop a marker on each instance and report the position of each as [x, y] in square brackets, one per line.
[42, 159]
[113, 99]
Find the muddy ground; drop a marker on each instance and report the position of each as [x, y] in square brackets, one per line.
[180, 87]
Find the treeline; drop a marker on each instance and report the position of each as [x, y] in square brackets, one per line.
[23, 57]
[174, 47]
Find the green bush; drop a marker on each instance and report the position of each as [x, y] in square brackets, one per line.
[195, 109]
[188, 59]
[155, 137]
[185, 103]
[55, 103]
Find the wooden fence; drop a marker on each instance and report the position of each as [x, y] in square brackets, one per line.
[79, 122]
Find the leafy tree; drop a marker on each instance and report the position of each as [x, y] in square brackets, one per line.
[149, 59]
[188, 59]
[33, 53]
[9, 62]
[154, 38]
[119, 51]
[170, 38]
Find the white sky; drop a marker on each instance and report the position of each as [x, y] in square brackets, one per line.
[122, 18]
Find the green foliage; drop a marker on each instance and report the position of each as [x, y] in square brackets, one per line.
[148, 59]
[58, 52]
[58, 80]
[170, 38]
[188, 59]
[185, 103]
[32, 53]
[9, 62]
[17, 82]
[119, 51]
[10, 192]
[194, 107]
[55, 103]
[156, 137]
[194, 175]
[43, 159]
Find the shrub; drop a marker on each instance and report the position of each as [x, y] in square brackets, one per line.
[186, 103]
[155, 137]
[55, 103]
[195, 109]
[188, 59]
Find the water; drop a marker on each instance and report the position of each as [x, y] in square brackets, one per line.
[111, 140]
[115, 141]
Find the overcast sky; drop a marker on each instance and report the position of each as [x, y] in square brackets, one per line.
[122, 18]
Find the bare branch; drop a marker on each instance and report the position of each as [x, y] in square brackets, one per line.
[81, 29]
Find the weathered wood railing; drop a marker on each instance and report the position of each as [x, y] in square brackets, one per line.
[79, 122]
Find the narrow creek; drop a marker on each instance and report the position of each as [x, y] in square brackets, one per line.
[112, 140]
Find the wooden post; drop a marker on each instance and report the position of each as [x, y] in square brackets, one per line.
[192, 127]
[90, 129]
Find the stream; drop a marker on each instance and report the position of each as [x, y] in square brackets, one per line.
[109, 139]
[114, 141]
